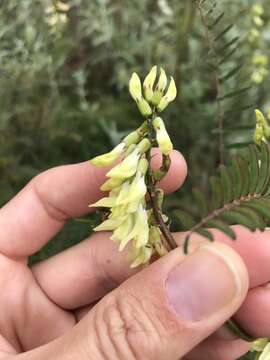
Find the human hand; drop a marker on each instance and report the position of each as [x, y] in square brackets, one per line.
[66, 308]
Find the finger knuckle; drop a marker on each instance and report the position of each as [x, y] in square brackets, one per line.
[124, 330]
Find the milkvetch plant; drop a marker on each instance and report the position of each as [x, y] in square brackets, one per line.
[132, 207]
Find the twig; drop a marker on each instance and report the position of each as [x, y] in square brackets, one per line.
[170, 242]
[217, 83]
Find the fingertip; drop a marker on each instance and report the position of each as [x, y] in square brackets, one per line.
[177, 172]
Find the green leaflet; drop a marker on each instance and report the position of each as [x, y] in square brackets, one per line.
[185, 219]
[253, 169]
[217, 193]
[237, 177]
[223, 32]
[235, 93]
[227, 184]
[206, 233]
[264, 169]
[217, 20]
[259, 206]
[222, 226]
[201, 201]
[233, 217]
[231, 73]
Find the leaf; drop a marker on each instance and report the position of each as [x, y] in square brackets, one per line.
[217, 194]
[237, 177]
[260, 207]
[253, 169]
[231, 73]
[240, 195]
[264, 169]
[252, 216]
[223, 32]
[228, 55]
[240, 109]
[235, 217]
[185, 219]
[226, 46]
[235, 93]
[201, 201]
[227, 184]
[217, 20]
[222, 226]
[244, 168]
[206, 233]
[239, 145]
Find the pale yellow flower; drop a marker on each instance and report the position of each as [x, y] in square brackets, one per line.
[163, 139]
[110, 224]
[135, 87]
[108, 158]
[160, 88]
[168, 97]
[148, 83]
[120, 234]
[111, 183]
[105, 202]
[140, 256]
[127, 167]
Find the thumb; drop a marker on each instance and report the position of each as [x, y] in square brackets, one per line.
[168, 308]
[163, 311]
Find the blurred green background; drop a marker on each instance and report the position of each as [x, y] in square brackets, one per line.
[64, 70]
[65, 67]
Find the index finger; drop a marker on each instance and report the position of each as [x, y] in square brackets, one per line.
[41, 209]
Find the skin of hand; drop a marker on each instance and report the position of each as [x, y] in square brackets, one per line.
[86, 303]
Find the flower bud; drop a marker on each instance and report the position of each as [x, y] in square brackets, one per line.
[108, 158]
[258, 135]
[143, 166]
[257, 9]
[260, 119]
[105, 202]
[144, 107]
[111, 184]
[127, 167]
[148, 84]
[168, 97]
[143, 146]
[132, 138]
[163, 139]
[140, 256]
[258, 21]
[135, 87]
[109, 224]
[130, 149]
[160, 88]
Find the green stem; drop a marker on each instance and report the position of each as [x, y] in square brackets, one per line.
[234, 327]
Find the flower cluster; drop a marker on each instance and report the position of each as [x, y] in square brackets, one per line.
[259, 61]
[262, 130]
[130, 217]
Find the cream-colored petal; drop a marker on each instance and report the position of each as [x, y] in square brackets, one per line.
[105, 202]
[127, 167]
[108, 158]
